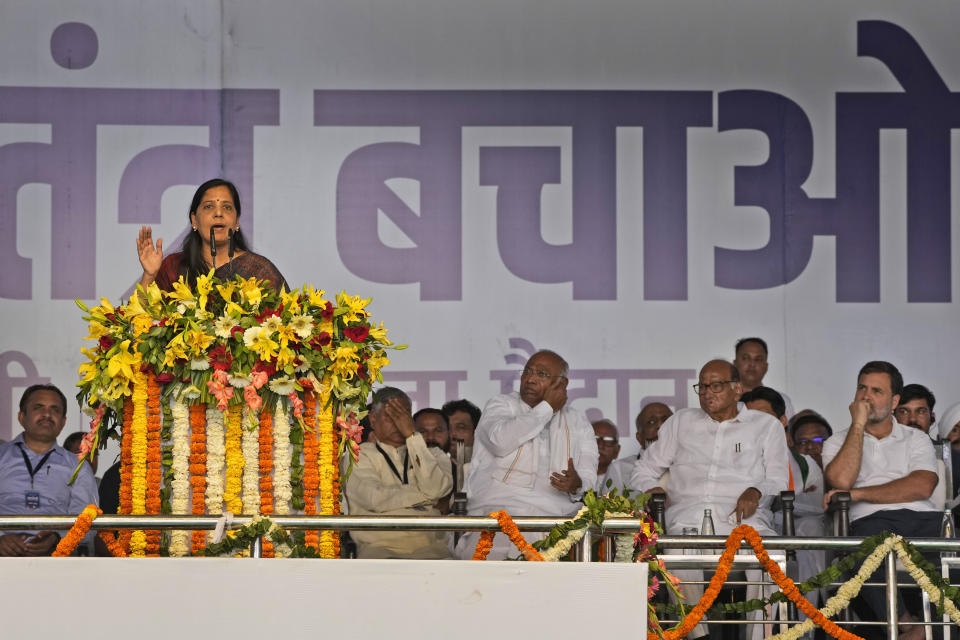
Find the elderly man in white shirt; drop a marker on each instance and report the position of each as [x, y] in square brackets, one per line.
[722, 456]
[533, 454]
[890, 471]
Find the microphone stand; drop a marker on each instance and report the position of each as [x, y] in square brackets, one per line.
[230, 250]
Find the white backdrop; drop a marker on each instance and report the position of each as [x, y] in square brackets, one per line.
[613, 324]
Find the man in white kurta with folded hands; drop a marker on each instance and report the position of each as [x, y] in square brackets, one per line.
[533, 454]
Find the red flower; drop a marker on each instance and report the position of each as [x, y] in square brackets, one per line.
[233, 333]
[320, 341]
[146, 367]
[165, 378]
[268, 368]
[357, 334]
[220, 358]
[106, 342]
[327, 313]
[269, 312]
[306, 384]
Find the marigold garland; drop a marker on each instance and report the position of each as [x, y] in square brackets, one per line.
[154, 461]
[311, 475]
[78, 531]
[250, 446]
[326, 469]
[692, 619]
[266, 472]
[113, 544]
[198, 470]
[234, 460]
[509, 527]
[138, 540]
[126, 472]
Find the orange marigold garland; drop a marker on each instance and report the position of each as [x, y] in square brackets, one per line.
[126, 472]
[509, 527]
[113, 544]
[786, 585]
[266, 472]
[138, 479]
[198, 470]
[311, 475]
[154, 462]
[80, 528]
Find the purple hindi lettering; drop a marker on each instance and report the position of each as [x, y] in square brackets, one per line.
[519, 173]
[927, 110]
[68, 162]
[420, 395]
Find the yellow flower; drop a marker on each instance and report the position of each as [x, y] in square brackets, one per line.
[290, 301]
[377, 362]
[284, 357]
[154, 295]
[302, 325]
[96, 330]
[183, 294]
[197, 341]
[223, 325]
[226, 290]
[256, 339]
[286, 334]
[134, 308]
[176, 350]
[354, 307]
[88, 371]
[204, 286]
[251, 292]
[315, 296]
[379, 334]
[121, 364]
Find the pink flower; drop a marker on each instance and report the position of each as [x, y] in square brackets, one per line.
[252, 398]
[258, 378]
[220, 389]
[297, 404]
[350, 428]
[653, 587]
[354, 450]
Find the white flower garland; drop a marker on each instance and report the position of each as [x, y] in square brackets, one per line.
[282, 491]
[923, 580]
[216, 461]
[180, 487]
[563, 546]
[250, 446]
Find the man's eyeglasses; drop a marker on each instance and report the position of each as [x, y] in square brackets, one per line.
[607, 440]
[811, 442]
[538, 373]
[715, 387]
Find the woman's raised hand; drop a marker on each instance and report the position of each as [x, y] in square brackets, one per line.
[151, 256]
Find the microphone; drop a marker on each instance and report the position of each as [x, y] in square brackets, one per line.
[233, 244]
[213, 247]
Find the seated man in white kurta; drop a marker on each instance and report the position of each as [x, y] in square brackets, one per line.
[533, 454]
[398, 475]
[611, 472]
[722, 456]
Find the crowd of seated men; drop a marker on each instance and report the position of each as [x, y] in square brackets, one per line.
[530, 452]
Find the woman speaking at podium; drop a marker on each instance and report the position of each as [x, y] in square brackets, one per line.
[214, 242]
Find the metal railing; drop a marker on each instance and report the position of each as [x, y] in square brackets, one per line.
[610, 527]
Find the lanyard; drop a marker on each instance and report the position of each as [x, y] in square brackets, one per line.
[393, 467]
[30, 468]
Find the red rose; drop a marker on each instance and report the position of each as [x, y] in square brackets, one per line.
[146, 367]
[165, 378]
[233, 333]
[106, 343]
[357, 334]
[327, 313]
[268, 368]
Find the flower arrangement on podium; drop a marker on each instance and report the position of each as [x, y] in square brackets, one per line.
[265, 389]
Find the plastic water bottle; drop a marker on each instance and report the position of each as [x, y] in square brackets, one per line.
[706, 529]
[948, 530]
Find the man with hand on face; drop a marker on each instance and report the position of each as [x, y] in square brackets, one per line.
[533, 455]
[890, 471]
[398, 475]
[34, 472]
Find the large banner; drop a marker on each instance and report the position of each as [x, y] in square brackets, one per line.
[633, 184]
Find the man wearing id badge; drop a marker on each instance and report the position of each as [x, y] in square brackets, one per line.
[35, 470]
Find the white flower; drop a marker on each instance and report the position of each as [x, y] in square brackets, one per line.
[250, 336]
[282, 491]
[223, 326]
[302, 325]
[239, 380]
[250, 479]
[282, 386]
[197, 364]
[272, 324]
[180, 486]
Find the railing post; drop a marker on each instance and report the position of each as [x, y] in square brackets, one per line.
[659, 502]
[256, 547]
[787, 499]
[892, 616]
[609, 547]
[586, 546]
